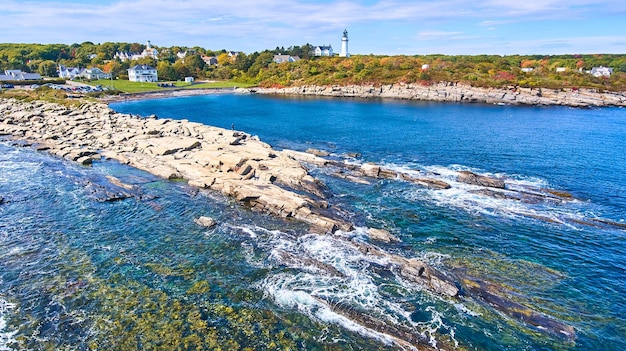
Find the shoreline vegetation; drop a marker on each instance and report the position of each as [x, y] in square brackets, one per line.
[258, 177]
[579, 80]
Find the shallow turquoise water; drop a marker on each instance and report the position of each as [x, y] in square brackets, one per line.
[71, 265]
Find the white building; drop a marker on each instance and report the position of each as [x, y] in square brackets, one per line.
[601, 71]
[323, 50]
[344, 45]
[95, 73]
[68, 72]
[285, 58]
[142, 73]
[149, 51]
[16, 74]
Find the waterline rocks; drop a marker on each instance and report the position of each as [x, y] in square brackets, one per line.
[482, 180]
[456, 92]
[231, 162]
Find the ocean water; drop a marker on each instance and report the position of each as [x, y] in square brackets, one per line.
[80, 273]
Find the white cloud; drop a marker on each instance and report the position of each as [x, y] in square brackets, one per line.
[259, 24]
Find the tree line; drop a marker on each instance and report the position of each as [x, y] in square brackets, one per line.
[550, 71]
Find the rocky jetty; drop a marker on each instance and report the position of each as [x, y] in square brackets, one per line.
[457, 92]
[232, 162]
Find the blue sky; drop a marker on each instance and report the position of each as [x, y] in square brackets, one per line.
[389, 27]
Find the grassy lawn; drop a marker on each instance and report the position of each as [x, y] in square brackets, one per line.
[137, 87]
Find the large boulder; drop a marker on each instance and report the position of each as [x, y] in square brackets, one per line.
[381, 235]
[205, 221]
[477, 179]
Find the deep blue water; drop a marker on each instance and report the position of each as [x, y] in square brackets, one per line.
[71, 265]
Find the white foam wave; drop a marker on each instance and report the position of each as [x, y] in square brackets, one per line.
[468, 197]
[314, 292]
[289, 292]
[6, 337]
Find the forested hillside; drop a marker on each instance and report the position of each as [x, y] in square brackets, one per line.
[555, 71]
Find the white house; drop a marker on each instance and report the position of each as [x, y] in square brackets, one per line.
[425, 66]
[561, 69]
[142, 73]
[68, 72]
[149, 51]
[323, 50]
[527, 69]
[16, 74]
[285, 58]
[601, 71]
[95, 73]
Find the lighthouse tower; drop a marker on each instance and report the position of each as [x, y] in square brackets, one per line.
[344, 45]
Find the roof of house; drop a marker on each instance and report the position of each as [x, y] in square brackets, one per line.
[30, 76]
[285, 58]
[141, 68]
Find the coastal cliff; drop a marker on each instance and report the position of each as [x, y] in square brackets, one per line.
[457, 92]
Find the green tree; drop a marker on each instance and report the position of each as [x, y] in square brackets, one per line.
[166, 71]
[194, 64]
[262, 61]
[48, 68]
[181, 70]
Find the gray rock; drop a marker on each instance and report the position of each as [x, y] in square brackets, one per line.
[476, 179]
[205, 221]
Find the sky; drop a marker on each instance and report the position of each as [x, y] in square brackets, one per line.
[385, 27]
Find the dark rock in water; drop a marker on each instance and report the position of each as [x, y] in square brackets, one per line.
[306, 263]
[559, 193]
[375, 171]
[414, 270]
[426, 182]
[405, 337]
[110, 189]
[477, 179]
[1, 200]
[518, 195]
[316, 152]
[496, 297]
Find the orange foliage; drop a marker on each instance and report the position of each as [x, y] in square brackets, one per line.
[108, 67]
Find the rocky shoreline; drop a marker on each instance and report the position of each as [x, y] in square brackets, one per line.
[460, 93]
[173, 93]
[256, 175]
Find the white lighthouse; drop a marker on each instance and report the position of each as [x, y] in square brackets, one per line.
[344, 44]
